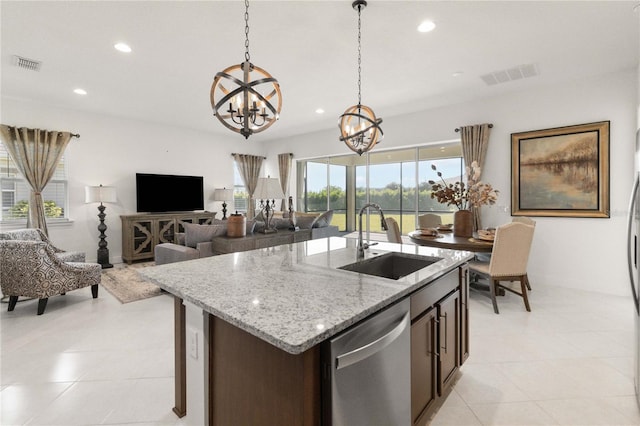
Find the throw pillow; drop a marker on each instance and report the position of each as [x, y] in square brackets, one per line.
[324, 219]
[194, 233]
[251, 225]
[259, 226]
[280, 223]
[306, 221]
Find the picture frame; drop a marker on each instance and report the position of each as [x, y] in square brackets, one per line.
[561, 172]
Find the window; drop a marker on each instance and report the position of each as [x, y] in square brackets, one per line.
[14, 203]
[397, 180]
[325, 188]
[240, 194]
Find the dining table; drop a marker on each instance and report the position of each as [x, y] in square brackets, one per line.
[447, 240]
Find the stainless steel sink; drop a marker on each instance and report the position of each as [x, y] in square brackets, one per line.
[391, 265]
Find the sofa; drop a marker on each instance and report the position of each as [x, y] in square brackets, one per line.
[207, 240]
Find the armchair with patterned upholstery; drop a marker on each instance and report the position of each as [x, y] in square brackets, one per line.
[34, 269]
[35, 234]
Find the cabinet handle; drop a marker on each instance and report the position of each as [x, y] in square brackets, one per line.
[445, 332]
[430, 335]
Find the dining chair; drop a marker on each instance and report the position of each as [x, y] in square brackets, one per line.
[528, 221]
[525, 220]
[429, 220]
[509, 259]
[393, 231]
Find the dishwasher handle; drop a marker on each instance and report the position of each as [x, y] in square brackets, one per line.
[369, 349]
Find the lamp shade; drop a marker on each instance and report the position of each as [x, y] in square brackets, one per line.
[222, 194]
[99, 194]
[268, 189]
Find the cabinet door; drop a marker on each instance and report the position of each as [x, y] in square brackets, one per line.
[424, 377]
[166, 231]
[142, 239]
[449, 339]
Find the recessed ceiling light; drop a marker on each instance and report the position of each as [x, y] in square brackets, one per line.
[122, 47]
[319, 111]
[457, 74]
[79, 91]
[426, 26]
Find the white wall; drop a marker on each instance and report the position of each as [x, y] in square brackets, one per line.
[570, 252]
[110, 151]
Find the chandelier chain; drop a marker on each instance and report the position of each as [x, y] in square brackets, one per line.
[246, 31]
[359, 59]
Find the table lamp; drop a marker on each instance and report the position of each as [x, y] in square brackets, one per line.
[223, 195]
[101, 194]
[268, 189]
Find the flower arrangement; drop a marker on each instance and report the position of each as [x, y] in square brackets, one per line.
[464, 196]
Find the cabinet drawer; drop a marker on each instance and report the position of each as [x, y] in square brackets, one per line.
[433, 292]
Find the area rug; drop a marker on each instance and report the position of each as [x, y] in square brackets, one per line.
[127, 285]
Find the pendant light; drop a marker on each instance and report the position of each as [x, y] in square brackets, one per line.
[359, 127]
[244, 97]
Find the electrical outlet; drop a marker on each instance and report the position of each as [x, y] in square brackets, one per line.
[193, 343]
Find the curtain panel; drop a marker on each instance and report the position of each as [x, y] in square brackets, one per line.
[36, 154]
[249, 167]
[284, 167]
[475, 140]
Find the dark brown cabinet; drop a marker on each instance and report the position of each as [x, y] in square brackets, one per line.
[424, 361]
[437, 326]
[449, 340]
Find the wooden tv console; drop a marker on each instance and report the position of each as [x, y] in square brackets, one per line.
[143, 231]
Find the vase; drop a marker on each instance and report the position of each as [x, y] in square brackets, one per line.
[463, 223]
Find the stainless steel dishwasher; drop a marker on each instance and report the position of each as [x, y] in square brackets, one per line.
[367, 372]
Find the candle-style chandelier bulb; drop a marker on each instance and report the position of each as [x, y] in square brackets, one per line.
[246, 98]
[359, 127]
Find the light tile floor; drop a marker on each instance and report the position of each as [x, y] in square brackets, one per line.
[95, 361]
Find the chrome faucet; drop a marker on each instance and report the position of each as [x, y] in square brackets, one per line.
[361, 245]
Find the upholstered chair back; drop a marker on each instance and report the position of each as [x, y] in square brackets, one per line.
[393, 231]
[429, 220]
[511, 247]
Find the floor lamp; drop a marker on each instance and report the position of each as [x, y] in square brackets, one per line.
[101, 194]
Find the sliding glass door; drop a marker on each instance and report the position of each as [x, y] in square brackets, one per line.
[397, 180]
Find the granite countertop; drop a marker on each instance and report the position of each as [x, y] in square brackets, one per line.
[292, 295]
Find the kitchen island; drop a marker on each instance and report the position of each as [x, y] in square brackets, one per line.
[250, 325]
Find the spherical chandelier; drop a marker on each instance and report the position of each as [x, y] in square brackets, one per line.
[359, 127]
[246, 98]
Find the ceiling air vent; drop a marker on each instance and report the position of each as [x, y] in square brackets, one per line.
[511, 74]
[26, 63]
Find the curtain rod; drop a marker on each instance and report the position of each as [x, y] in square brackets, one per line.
[73, 135]
[458, 128]
[233, 154]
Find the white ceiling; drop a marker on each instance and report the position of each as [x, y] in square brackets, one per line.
[309, 46]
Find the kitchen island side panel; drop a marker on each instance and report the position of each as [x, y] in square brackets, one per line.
[252, 382]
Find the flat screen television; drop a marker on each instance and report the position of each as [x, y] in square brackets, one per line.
[169, 193]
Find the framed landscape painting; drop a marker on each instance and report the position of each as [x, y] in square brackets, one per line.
[561, 172]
